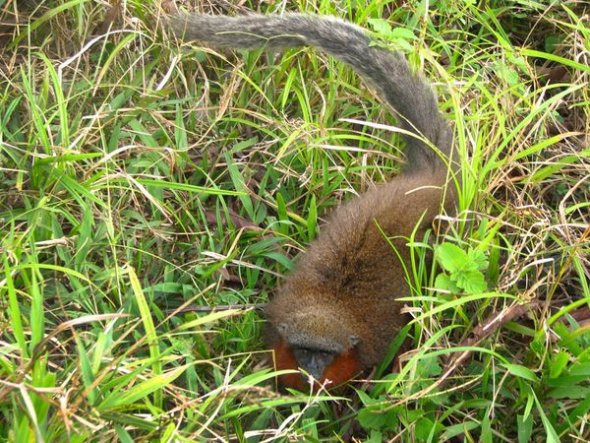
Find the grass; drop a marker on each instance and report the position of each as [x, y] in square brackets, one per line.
[140, 177]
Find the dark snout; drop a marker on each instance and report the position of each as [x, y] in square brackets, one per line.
[313, 361]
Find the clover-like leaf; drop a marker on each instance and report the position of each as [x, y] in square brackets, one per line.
[473, 281]
[479, 258]
[451, 257]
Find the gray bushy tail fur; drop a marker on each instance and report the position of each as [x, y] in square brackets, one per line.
[386, 71]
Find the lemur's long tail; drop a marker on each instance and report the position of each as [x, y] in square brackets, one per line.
[386, 71]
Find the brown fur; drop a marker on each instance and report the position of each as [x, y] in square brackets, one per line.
[341, 298]
[351, 271]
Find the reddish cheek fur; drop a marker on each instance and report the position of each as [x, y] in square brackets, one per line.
[284, 359]
[342, 369]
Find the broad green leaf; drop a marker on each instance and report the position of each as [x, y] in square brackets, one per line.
[473, 282]
[558, 363]
[403, 33]
[451, 257]
[524, 428]
[521, 371]
[380, 26]
[444, 282]
[478, 258]
[573, 392]
[582, 368]
[369, 419]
